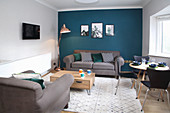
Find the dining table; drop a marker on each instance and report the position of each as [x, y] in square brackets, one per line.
[143, 67]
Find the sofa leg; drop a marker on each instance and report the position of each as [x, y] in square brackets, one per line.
[117, 77]
[66, 106]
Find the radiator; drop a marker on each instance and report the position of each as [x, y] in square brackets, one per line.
[40, 64]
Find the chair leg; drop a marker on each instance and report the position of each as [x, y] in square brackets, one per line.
[159, 95]
[133, 84]
[117, 85]
[163, 95]
[136, 86]
[138, 90]
[145, 99]
[167, 95]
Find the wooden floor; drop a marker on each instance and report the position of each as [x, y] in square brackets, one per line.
[151, 105]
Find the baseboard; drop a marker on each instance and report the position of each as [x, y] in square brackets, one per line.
[126, 72]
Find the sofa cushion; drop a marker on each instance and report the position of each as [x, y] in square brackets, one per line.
[77, 57]
[103, 65]
[40, 81]
[79, 64]
[26, 75]
[107, 57]
[97, 57]
[86, 57]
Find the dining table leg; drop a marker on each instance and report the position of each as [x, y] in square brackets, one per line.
[143, 78]
[134, 80]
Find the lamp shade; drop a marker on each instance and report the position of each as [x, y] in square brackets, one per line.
[64, 29]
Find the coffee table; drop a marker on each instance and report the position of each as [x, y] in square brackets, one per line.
[80, 83]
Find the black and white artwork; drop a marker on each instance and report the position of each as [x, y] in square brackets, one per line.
[84, 30]
[97, 30]
[109, 30]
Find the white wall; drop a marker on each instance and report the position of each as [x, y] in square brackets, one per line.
[12, 14]
[150, 9]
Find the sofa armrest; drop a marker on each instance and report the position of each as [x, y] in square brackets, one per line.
[55, 91]
[20, 85]
[119, 61]
[68, 60]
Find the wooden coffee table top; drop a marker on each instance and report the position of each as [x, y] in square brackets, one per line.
[76, 75]
[81, 83]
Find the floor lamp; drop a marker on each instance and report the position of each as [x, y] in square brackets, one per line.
[63, 30]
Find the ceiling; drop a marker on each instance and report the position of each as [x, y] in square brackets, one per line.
[68, 5]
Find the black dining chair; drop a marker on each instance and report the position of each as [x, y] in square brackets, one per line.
[139, 59]
[158, 79]
[124, 75]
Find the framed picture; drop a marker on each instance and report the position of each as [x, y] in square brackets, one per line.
[109, 30]
[97, 30]
[84, 30]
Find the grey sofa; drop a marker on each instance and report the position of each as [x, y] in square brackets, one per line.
[99, 68]
[21, 96]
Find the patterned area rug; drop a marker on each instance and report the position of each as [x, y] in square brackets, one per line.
[103, 99]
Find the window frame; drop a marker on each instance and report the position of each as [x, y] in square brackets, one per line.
[158, 51]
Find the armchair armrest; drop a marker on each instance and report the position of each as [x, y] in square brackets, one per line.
[119, 61]
[68, 60]
[55, 91]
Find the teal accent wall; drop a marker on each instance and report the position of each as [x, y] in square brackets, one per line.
[127, 38]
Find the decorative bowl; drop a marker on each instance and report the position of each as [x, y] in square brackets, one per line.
[152, 65]
[162, 64]
[136, 63]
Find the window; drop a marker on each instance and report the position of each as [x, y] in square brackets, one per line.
[166, 36]
[160, 42]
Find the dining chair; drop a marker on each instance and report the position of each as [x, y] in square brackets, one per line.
[158, 79]
[124, 75]
[139, 59]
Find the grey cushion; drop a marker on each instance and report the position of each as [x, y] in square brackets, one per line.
[103, 65]
[80, 64]
[86, 57]
[107, 57]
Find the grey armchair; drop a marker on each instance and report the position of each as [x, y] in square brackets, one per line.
[21, 96]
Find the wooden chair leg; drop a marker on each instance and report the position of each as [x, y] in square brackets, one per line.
[133, 84]
[139, 91]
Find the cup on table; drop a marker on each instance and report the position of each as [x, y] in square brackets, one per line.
[89, 72]
[152, 60]
[143, 61]
[82, 75]
[80, 71]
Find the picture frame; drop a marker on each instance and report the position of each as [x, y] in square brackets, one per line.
[110, 30]
[97, 30]
[84, 30]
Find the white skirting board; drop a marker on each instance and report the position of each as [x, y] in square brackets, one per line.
[39, 64]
